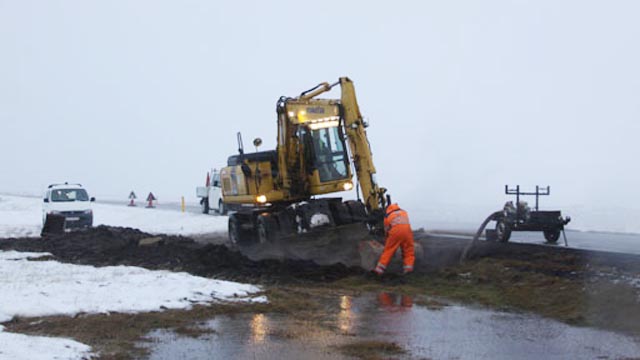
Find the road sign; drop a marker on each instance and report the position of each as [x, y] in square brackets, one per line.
[150, 199]
[132, 198]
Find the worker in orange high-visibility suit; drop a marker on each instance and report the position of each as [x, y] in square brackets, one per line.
[399, 234]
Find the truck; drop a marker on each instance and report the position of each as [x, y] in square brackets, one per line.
[211, 194]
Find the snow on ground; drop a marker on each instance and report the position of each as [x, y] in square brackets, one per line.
[158, 221]
[22, 216]
[41, 288]
[25, 347]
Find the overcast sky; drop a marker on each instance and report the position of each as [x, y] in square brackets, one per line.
[463, 97]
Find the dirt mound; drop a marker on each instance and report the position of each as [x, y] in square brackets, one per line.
[104, 246]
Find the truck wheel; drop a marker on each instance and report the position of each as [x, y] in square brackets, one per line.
[552, 236]
[267, 228]
[222, 208]
[503, 230]
[204, 205]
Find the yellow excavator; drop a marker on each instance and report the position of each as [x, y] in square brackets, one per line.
[318, 141]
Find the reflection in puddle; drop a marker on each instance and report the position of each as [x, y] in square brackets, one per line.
[393, 302]
[345, 316]
[258, 328]
[453, 332]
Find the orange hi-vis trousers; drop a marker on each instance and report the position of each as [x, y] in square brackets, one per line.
[399, 235]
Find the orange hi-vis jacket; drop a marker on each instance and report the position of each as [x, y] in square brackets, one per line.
[399, 234]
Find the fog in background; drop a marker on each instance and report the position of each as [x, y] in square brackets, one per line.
[462, 97]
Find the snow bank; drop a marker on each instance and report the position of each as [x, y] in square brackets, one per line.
[158, 221]
[25, 347]
[41, 288]
[22, 217]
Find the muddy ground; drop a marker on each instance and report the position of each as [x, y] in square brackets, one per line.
[578, 287]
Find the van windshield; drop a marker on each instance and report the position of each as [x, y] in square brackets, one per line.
[60, 195]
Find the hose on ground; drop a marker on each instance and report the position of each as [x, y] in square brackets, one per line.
[467, 248]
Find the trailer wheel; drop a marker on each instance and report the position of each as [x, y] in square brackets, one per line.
[552, 236]
[267, 228]
[503, 230]
[204, 205]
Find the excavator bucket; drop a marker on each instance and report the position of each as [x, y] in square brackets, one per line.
[331, 245]
[351, 245]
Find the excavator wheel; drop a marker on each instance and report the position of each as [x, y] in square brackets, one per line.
[237, 235]
[340, 213]
[357, 210]
[286, 222]
[267, 227]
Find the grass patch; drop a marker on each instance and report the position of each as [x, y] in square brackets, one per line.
[193, 330]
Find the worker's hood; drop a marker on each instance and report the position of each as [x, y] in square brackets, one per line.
[391, 208]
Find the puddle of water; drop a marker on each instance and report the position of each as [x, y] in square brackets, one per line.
[457, 332]
[453, 332]
[249, 336]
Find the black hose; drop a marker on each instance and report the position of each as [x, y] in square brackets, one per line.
[495, 216]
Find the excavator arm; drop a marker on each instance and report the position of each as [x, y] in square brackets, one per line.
[374, 196]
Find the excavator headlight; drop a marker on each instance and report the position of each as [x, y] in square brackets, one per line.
[347, 186]
[261, 199]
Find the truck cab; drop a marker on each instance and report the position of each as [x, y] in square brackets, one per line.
[70, 201]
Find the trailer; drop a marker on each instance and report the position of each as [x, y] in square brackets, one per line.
[520, 217]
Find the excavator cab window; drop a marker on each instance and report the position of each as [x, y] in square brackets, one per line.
[330, 156]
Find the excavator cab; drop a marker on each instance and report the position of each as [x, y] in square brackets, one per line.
[318, 161]
[328, 154]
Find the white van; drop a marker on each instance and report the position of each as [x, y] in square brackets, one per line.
[70, 201]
